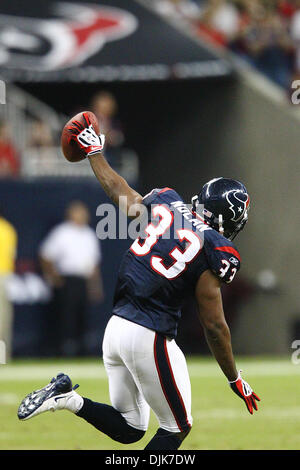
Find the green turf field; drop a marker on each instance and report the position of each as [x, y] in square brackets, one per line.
[221, 420]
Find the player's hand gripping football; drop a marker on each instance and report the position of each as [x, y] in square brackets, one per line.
[87, 139]
[244, 391]
[90, 142]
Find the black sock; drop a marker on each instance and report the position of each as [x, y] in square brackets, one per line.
[164, 440]
[109, 421]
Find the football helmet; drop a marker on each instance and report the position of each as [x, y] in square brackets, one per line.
[223, 204]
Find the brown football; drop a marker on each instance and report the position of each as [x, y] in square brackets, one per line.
[69, 144]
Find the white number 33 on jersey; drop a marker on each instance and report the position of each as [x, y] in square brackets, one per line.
[224, 271]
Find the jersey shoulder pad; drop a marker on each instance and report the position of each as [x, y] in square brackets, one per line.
[161, 196]
[223, 258]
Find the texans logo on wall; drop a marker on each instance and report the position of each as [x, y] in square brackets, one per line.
[96, 40]
[78, 32]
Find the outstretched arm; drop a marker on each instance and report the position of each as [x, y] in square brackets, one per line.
[115, 186]
[210, 308]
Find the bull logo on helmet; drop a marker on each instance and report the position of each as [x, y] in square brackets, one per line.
[238, 203]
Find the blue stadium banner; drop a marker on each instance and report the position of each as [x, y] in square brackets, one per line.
[112, 40]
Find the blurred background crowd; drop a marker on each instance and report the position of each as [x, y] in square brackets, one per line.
[265, 33]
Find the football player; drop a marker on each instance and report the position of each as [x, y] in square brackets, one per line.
[182, 253]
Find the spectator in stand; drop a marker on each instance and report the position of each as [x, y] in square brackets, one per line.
[8, 248]
[219, 21]
[105, 107]
[295, 35]
[70, 259]
[287, 8]
[40, 135]
[9, 159]
[40, 155]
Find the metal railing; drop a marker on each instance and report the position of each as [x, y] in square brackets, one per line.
[21, 111]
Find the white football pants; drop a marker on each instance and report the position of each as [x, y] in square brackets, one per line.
[146, 370]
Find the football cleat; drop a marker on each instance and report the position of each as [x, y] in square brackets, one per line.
[59, 394]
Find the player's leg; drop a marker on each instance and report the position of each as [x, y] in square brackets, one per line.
[127, 419]
[126, 397]
[166, 386]
[59, 395]
[165, 440]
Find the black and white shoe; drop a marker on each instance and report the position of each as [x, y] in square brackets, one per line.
[59, 394]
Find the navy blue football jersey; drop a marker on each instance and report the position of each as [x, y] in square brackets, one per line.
[161, 269]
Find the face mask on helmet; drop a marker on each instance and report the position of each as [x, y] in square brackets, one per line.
[232, 231]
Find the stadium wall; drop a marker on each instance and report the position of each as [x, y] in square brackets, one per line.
[261, 143]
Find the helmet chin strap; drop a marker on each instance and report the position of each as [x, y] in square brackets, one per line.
[194, 202]
[221, 228]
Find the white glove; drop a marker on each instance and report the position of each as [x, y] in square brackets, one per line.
[90, 142]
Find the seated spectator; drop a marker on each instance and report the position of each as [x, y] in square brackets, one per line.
[9, 159]
[40, 154]
[287, 8]
[219, 21]
[104, 106]
[40, 134]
